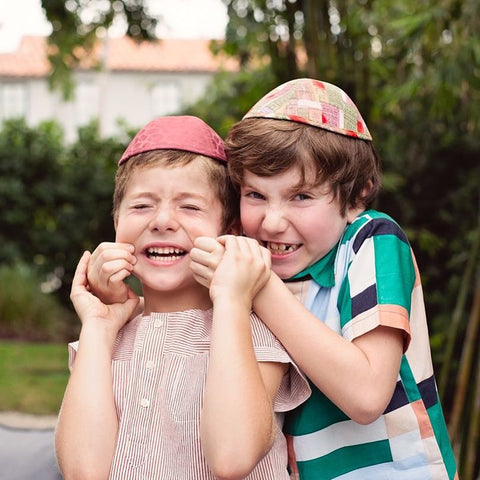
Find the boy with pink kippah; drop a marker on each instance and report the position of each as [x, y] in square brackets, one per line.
[196, 386]
[307, 171]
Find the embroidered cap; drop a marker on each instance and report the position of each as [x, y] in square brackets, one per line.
[182, 132]
[315, 103]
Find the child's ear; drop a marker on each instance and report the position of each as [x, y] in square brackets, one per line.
[354, 211]
[235, 228]
[367, 188]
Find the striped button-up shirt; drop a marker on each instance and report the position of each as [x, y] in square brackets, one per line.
[159, 369]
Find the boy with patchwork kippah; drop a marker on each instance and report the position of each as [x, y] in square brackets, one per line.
[195, 387]
[307, 171]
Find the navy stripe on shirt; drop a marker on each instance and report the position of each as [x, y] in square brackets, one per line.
[378, 226]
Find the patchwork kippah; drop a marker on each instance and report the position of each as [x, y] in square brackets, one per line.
[182, 132]
[312, 102]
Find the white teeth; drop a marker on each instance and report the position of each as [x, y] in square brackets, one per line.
[165, 254]
[164, 251]
[166, 259]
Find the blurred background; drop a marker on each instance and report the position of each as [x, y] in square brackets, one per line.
[78, 78]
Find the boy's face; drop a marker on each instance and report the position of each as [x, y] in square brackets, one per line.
[164, 209]
[298, 226]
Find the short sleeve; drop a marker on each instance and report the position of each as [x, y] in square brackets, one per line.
[294, 388]
[72, 353]
[377, 289]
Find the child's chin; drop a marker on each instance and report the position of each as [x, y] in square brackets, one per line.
[284, 273]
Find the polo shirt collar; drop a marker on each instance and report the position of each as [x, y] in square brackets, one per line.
[322, 272]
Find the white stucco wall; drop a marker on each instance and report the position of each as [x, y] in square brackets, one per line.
[126, 96]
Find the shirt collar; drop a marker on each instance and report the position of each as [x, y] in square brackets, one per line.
[322, 271]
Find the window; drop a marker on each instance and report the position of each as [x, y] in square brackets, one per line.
[165, 99]
[13, 101]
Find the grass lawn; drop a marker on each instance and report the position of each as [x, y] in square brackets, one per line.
[33, 376]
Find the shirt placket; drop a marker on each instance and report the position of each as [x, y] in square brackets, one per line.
[146, 373]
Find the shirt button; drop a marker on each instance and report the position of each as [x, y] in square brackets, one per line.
[158, 323]
[145, 402]
[150, 364]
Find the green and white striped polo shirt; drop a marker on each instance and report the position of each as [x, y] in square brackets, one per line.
[371, 279]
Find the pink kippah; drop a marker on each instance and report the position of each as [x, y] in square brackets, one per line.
[186, 133]
[313, 102]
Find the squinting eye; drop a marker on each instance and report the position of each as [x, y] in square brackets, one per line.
[254, 195]
[302, 196]
[140, 207]
[191, 207]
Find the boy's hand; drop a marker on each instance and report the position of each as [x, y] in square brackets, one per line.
[205, 256]
[243, 270]
[110, 264]
[90, 309]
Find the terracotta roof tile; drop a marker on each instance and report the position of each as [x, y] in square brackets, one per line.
[122, 54]
[29, 60]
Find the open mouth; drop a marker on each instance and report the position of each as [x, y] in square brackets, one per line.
[164, 254]
[282, 248]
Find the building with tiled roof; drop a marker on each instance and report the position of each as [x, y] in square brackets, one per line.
[137, 82]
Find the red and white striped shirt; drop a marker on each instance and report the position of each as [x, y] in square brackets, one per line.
[159, 369]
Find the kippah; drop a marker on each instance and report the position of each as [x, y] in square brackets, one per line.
[182, 132]
[312, 102]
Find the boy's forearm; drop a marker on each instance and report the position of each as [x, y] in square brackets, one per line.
[237, 418]
[352, 374]
[87, 428]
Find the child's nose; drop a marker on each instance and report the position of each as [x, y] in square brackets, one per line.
[164, 219]
[274, 221]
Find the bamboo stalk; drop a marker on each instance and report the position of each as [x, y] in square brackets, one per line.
[457, 314]
[473, 438]
[466, 366]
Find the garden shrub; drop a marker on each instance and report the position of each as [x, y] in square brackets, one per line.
[26, 312]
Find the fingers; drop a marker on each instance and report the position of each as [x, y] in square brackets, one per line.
[207, 253]
[90, 308]
[214, 260]
[267, 257]
[110, 251]
[205, 258]
[107, 246]
[79, 281]
[248, 247]
[129, 306]
[202, 274]
[110, 258]
[110, 264]
[223, 238]
[208, 244]
[79, 295]
[251, 259]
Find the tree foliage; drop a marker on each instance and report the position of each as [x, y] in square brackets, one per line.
[30, 168]
[59, 198]
[77, 25]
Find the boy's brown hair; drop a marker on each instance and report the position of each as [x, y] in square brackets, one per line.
[267, 147]
[216, 171]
